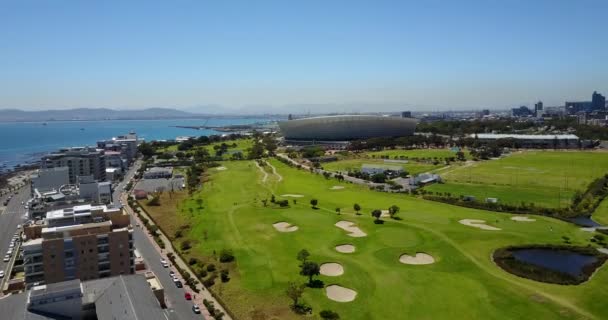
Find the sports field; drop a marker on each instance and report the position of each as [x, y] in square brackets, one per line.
[547, 178]
[462, 282]
[417, 153]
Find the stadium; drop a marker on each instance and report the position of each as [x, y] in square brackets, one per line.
[346, 127]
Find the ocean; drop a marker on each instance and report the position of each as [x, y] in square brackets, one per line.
[24, 142]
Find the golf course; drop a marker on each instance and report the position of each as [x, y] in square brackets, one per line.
[432, 262]
[545, 178]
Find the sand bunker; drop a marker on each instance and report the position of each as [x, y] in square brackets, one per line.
[522, 219]
[603, 250]
[481, 224]
[284, 227]
[340, 294]
[418, 259]
[336, 188]
[351, 228]
[331, 269]
[221, 168]
[588, 229]
[345, 248]
[289, 195]
[385, 214]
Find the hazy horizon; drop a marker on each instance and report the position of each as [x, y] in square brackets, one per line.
[318, 56]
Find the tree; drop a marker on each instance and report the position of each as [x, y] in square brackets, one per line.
[338, 210]
[329, 315]
[199, 202]
[376, 214]
[294, 292]
[155, 201]
[357, 207]
[310, 269]
[226, 255]
[303, 255]
[313, 203]
[393, 210]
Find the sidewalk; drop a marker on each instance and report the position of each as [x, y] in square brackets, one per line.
[204, 293]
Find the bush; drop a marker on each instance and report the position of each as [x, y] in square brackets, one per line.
[193, 261]
[329, 315]
[226, 255]
[202, 273]
[301, 308]
[185, 245]
[224, 275]
[211, 267]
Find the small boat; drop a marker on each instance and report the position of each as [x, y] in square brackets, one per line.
[44, 123]
[81, 129]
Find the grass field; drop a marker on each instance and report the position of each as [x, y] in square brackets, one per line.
[355, 164]
[601, 213]
[547, 178]
[241, 145]
[463, 283]
[418, 153]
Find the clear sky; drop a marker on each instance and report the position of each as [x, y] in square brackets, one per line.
[335, 55]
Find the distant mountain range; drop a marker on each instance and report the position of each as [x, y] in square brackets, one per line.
[16, 115]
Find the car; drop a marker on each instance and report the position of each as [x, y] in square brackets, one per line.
[1, 273]
[172, 273]
[187, 296]
[10, 252]
[179, 284]
[196, 309]
[6, 258]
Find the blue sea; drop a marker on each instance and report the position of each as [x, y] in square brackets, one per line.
[24, 142]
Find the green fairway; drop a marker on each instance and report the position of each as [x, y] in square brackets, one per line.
[355, 165]
[601, 213]
[241, 145]
[463, 282]
[547, 178]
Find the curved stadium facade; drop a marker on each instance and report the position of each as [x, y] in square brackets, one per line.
[346, 127]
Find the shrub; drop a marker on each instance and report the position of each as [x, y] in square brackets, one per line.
[329, 315]
[224, 275]
[193, 261]
[185, 245]
[211, 267]
[226, 255]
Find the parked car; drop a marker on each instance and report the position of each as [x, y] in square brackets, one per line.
[1, 273]
[179, 284]
[172, 273]
[6, 258]
[196, 309]
[187, 296]
[164, 263]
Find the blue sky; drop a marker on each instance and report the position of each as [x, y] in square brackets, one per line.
[333, 55]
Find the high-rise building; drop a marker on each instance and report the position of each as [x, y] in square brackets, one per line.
[126, 145]
[598, 102]
[538, 109]
[81, 161]
[406, 114]
[83, 242]
[522, 111]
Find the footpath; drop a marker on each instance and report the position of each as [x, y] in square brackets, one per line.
[203, 292]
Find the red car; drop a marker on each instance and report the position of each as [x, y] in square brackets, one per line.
[188, 296]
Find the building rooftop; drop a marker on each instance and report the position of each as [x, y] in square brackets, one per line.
[77, 211]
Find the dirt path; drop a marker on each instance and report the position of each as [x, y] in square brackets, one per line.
[262, 170]
[274, 170]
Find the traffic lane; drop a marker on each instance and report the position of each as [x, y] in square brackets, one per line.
[12, 216]
[173, 294]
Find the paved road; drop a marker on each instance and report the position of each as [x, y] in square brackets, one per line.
[178, 307]
[12, 216]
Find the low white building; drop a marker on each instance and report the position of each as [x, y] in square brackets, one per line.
[158, 173]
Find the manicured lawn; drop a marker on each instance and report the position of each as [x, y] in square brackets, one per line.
[355, 164]
[242, 145]
[547, 178]
[601, 213]
[463, 283]
[418, 153]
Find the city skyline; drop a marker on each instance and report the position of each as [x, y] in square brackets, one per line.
[273, 57]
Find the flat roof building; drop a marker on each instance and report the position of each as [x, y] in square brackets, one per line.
[83, 242]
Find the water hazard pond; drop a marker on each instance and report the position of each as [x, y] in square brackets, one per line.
[552, 264]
